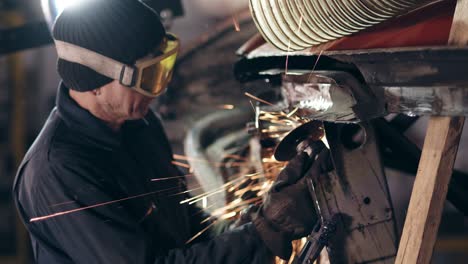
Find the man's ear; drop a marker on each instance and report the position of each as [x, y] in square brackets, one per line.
[97, 92]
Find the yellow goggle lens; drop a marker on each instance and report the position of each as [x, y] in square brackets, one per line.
[155, 78]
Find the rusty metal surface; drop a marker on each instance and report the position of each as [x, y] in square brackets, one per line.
[418, 66]
[415, 81]
[357, 191]
[417, 101]
[332, 96]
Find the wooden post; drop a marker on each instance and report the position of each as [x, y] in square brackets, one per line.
[435, 169]
[430, 190]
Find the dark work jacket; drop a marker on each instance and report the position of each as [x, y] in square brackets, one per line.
[77, 162]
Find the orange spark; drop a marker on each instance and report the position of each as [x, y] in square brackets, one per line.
[292, 112]
[218, 164]
[172, 178]
[287, 58]
[300, 23]
[226, 107]
[59, 204]
[258, 99]
[228, 215]
[233, 156]
[199, 197]
[203, 210]
[254, 110]
[235, 21]
[41, 218]
[315, 65]
[180, 164]
[316, 62]
[207, 195]
[195, 189]
[201, 232]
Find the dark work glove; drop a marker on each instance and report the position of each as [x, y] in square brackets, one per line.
[288, 212]
[246, 216]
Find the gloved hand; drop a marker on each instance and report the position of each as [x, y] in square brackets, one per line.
[288, 212]
[246, 216]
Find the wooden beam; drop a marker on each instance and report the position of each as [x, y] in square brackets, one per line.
[458, 33]
[435, 170]
[430, 190]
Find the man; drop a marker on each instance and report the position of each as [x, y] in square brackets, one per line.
[86, 189]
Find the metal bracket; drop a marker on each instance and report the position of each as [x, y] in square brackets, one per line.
[366, 229]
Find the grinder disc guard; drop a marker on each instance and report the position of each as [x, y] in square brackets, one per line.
[288, 147]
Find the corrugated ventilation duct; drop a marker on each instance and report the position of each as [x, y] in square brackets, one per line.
[292, 25]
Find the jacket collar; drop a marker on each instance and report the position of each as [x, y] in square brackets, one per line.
[82, 121]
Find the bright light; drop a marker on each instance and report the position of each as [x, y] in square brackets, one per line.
[60, 5]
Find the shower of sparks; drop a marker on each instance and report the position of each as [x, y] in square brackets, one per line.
[41, 218]
[193, 201]
[235, 21]
[254, 185]
[195, 188]
[232, 207]
[258, 99]
[210, 193]
[203, 210]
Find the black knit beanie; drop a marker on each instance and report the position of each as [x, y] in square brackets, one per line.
[124, 30]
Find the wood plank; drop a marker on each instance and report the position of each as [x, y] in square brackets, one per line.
[435, 170]
[430, 190]
[458, 33]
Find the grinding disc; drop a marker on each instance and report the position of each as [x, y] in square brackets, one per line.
[287, 148]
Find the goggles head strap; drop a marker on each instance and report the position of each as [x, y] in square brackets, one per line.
[108, 67]
[128, 75]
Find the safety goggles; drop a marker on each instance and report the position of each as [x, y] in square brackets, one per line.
[149, 76]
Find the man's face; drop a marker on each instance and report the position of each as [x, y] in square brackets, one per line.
[122, 102]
